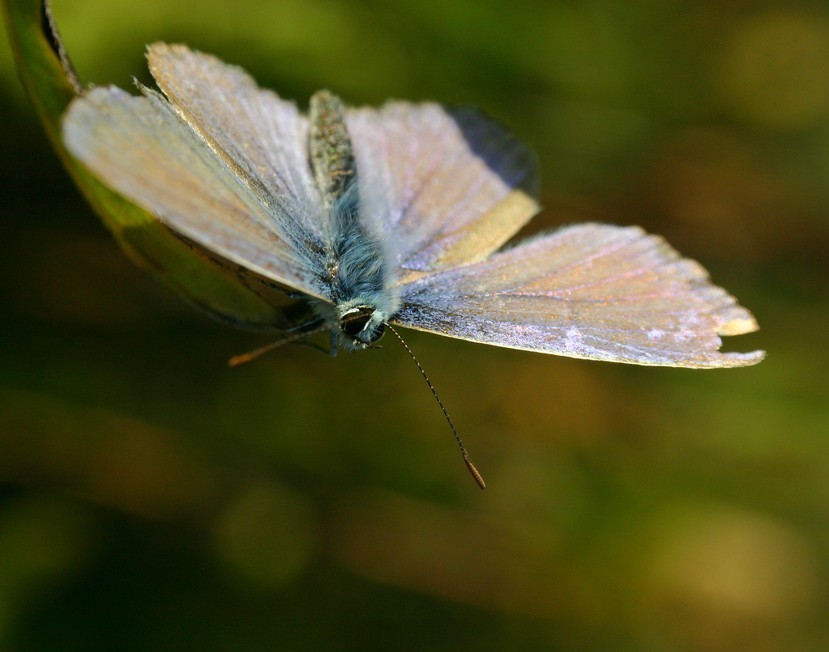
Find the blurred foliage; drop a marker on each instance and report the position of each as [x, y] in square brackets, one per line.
[152, 498]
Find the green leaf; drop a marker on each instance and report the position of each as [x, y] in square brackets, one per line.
[194, 274]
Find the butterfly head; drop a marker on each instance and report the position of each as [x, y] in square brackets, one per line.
[360, 326]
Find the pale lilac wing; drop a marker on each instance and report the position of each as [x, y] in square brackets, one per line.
[439, 187]
[586, 291]
[142, 148]
[264, 138]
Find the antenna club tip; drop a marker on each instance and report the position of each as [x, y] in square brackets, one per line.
[479, 479]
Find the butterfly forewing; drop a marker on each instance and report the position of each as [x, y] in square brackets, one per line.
[588, 291]
[264, 138]
[452, 186]
[142, 148]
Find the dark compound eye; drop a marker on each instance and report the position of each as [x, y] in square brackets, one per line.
[353, 323]
[378, 333]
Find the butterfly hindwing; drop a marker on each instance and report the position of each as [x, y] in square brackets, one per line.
[443, 187]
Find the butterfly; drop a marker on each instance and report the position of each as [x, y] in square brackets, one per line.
[397, 216]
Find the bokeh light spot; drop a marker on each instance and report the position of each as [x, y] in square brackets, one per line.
[266, 534]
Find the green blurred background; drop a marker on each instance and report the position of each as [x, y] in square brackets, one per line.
[153, 499]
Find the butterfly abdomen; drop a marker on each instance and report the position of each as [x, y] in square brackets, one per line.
[354, 260]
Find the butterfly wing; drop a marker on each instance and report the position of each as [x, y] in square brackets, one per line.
[264, 138]
[440, 187]
[586, 291]
[171, 162]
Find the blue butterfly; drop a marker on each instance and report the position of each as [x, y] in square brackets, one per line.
[395, 216]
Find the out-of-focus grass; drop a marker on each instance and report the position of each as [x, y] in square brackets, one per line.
[153, 498]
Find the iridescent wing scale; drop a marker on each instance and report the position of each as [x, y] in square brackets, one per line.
[587, 291]
[237, 199]
[262, 137]
[441, 187]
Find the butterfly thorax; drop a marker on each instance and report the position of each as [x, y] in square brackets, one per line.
[354, 262]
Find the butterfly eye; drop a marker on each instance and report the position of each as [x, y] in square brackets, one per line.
[378, 333]
[354, 321]
[361, 325]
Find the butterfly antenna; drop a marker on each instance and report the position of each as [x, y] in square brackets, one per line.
[244, 358]
[469, 465]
